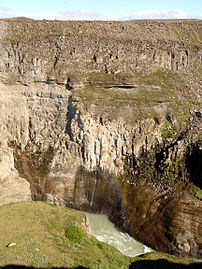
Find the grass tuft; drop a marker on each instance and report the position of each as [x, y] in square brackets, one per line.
[74, 233]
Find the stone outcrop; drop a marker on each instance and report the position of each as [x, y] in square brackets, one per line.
[168, 222]
[12, 125]
[95, 118]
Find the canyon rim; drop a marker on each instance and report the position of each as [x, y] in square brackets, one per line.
[106, 117]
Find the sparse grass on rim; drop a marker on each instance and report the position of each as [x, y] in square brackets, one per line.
[144, 96]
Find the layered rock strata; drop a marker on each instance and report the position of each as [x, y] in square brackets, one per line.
[106, 121]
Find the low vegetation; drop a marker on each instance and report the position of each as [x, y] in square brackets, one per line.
[48, 236]
[109, 30]
[74, 233]
[136, 96]
[196, 191]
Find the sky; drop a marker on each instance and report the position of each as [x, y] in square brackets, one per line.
[101, 9]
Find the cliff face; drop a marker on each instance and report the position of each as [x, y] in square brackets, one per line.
[57, 49]
[94, 113]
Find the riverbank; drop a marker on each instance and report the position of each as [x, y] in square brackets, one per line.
[46, 236]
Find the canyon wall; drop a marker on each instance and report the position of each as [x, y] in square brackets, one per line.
[105, 117]
[58, 49]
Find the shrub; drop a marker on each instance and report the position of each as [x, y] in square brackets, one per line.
[74, 233]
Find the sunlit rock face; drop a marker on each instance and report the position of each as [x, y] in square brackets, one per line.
[103, 121]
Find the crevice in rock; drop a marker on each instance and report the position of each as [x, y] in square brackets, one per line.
[72, 114]
[56, 61]
[68, 86]
[162, 154]
[194, 164]
[94, 58]
[120, 86]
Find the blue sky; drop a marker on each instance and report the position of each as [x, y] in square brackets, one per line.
[101, 9]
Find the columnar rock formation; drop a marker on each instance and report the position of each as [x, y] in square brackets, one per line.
[105, 116]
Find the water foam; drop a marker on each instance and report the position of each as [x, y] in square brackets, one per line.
[105, 231]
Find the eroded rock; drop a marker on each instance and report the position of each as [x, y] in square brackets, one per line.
[77, 132]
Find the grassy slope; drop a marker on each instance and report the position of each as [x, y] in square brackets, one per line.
[37, 225]
[33, 225]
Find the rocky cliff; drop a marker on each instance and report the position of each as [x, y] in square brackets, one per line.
[105, 116]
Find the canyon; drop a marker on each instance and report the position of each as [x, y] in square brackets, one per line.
[106, 117]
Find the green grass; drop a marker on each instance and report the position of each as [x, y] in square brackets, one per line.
[74, 233]
[58, 234]
[159, 260]
[196, 191]
[48, 236]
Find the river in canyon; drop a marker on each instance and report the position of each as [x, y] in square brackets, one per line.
[105, 231]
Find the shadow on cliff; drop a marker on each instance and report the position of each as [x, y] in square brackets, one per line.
[159, 264]
[194, 164]
[99, 192]
[12, 266]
